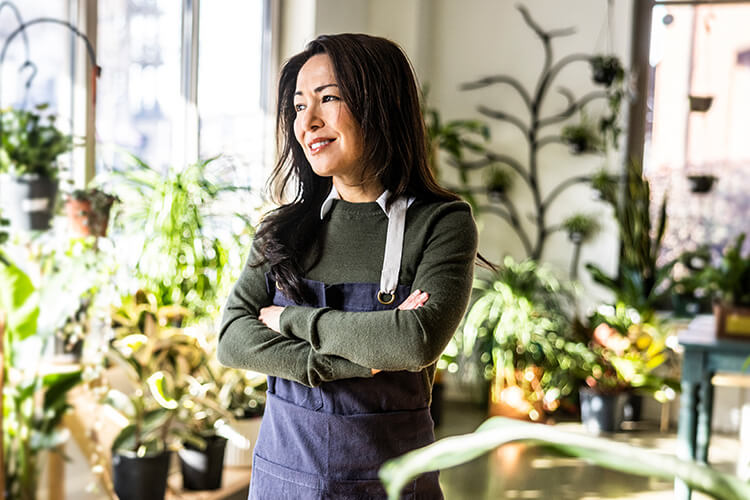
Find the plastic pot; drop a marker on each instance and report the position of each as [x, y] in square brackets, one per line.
[601, 412]
[202, 469]
[28, 201]
[140, 478]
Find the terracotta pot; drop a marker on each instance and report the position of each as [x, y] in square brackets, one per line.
[84, 221]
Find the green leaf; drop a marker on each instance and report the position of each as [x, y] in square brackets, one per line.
[456, 450]
[20, 301]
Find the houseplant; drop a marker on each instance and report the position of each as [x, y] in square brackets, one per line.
[729, 283]
[150, 352]
[521, 320]
[629, 349]
[33, 402]
[185, 233]
[88, 211]
[30, 144]
[583, 137]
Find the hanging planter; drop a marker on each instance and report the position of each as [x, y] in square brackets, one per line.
[28, 200]
[29, 146]
[701, 184]
[605, 70]
[700, 104]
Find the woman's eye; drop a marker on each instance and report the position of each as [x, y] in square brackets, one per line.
[328, 98]
[299, 107]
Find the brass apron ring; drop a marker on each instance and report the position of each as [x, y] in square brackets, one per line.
[386, 302]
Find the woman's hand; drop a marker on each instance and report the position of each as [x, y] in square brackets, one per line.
[270, 316]
[414, 301]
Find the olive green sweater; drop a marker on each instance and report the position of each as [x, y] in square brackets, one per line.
[321, 344]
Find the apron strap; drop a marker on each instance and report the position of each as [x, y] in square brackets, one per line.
[394, 245]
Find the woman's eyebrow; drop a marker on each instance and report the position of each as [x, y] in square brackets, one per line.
[319, 89]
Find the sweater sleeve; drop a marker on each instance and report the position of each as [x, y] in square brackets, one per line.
[395, 339]
[246, 342]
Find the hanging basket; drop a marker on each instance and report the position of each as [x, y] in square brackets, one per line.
[28, 200]
[700, 104]
[701, 184]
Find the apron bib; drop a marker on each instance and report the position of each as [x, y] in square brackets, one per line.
[328, 442]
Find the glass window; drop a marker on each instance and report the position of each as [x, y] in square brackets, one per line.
[230, 100]
[697, 151]
[138, 97]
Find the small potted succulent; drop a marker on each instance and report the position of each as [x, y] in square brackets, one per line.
[30, 144]
[580, 227]
[88, 211]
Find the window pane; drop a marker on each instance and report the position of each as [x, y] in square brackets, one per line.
[231, 117]
[138, 99]
[699, 122]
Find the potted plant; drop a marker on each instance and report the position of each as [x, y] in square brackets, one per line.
[690, 294]
[34, 400]
[88, 211]
[499, 181]
[152, 354]
[729, 282]
[583, 137]
[606, 70]
[700, 103]
[521, 321]
[580, 227]
[629, 351]
[30, 144]
[701, 184]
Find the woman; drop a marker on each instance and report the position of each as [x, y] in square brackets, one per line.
[354, 288]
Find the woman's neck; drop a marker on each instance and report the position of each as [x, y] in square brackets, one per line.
[358, 193]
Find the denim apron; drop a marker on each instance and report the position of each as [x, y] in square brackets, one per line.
[328, 442]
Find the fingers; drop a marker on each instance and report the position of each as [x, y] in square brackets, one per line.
[416, 300]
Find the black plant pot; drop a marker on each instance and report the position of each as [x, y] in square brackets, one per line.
[633, 407]
[202, 469]
[66, 348]
[28, 201]
[140, 478]
[601, 412]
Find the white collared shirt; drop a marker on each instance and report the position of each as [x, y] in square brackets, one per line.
[334, 195]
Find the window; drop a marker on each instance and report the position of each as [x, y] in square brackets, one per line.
[696, 149]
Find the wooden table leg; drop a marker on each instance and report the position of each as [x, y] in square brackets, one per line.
[705, 411]
[686, 433]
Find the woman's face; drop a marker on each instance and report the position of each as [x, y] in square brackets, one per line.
[324, 126]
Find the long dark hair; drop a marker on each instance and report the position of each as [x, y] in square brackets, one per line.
[377, 83]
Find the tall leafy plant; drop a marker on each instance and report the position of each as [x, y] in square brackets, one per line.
[33, 402]
[185, 236]
[641, 282]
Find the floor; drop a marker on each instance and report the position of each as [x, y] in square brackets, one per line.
[512, 471]
[517, 471]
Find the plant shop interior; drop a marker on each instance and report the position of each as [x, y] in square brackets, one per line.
[600, 144]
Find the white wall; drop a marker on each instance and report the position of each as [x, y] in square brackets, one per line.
[451, 42]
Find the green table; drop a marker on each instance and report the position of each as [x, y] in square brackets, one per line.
[704, 355]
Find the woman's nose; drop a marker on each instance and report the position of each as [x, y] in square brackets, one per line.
[311, 119]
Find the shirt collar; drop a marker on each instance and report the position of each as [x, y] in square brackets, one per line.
[334, 195]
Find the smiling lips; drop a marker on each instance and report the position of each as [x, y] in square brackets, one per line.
[319, 144]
